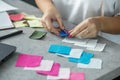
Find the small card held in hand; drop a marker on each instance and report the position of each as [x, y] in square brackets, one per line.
[38, 35]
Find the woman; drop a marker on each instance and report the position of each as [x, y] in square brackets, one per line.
[91, 16]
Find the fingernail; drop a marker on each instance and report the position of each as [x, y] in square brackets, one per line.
[70, 36]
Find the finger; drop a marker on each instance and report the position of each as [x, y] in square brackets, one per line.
[50, 27]
[43, 23]
[77, 30]
[83, 34]
[60, 22]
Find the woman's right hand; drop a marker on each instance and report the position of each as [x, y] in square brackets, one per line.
[50, 16]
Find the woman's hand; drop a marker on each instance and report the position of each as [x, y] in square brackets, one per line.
[89, 28]
[50, 16]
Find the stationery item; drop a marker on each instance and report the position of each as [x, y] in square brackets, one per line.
[63, 33]
[94, 64]
[34, 23]
[9, 33]
[64, 73]
[26, 60]
[6, 7]
[16, 17]
[5, 21]
[45, 65]
[22, 23]
[38, 35]
[99, 47]
[53, 72]
[85, 58]
[59, 49]
[77, 76]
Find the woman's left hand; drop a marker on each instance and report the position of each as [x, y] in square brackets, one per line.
[89, 28]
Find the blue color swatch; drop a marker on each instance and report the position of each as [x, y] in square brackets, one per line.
[59, 49]
[85, 58]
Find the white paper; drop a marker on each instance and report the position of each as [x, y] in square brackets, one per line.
[99, 47]
[6, 7]
[45, 65]
[5, 21]
[94, 64]
[64, 73]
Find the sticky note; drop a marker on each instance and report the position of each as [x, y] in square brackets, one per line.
[77, 76]
[34, 23]
[53, 72]
[59, 49]
[63, 33]
[64, 73]
[94, 64]
[26, 60]
[21, 23]
[85, 58]
[45, 65]
[16, 17]
[38, 35]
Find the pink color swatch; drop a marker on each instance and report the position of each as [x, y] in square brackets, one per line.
[16, 17]
[54, 71]
[26, 60]
[77, 76]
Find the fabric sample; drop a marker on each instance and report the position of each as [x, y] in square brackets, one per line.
[45, 65]
[64, 73]
[21, 23]
[54, 71]
[16, 17]
[85, 58]
[63, 33]
[77, 76]
[26, 60]
[34, 23]
[59, 49]
[38, 35]
[94, 64]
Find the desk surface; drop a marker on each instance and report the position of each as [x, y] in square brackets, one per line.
[8, 71]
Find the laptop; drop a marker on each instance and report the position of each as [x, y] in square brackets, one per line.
[6, 50]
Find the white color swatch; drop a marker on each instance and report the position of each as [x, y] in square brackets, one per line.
[45, 65]
[64, 73]
[99, 47]
[95, 63]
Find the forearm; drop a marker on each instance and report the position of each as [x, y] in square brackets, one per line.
[109, 24]
[45, 5]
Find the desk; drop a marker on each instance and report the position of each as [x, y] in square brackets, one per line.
[8, 71]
